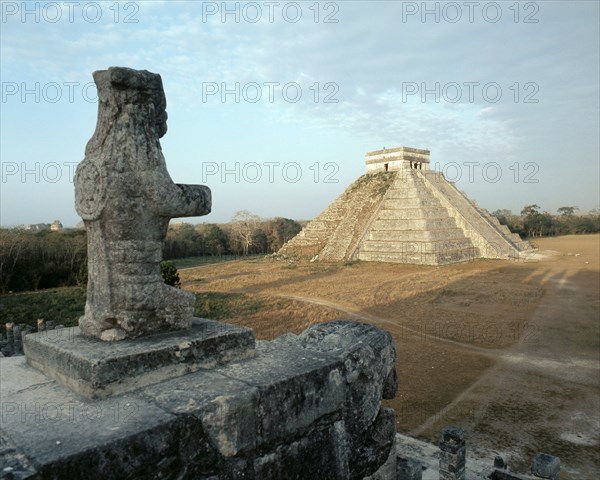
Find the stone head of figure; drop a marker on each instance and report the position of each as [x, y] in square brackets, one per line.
[124, 86]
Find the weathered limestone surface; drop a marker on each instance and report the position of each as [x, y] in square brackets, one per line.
[94, 369]
[546, 466]
[126, 198]
[306, 407]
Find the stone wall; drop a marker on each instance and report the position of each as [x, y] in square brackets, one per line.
[393, 159]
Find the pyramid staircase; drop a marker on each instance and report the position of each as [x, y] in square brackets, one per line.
[335, 233]
[492, 239]
[412, 226]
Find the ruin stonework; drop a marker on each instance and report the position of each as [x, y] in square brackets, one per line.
[306, 406]
[126, 198]
[399, 158]
[402, 211]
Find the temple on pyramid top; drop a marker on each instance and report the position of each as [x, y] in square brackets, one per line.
[390, 159]
[402, 211]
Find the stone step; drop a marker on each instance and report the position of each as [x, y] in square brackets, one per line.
[314, 231]
[416, 235]
[444, 258]
[414, 224]
[440, 246]
[322, 224]
[336, 210]
[414, 202]
[388, 212]
[421, 192]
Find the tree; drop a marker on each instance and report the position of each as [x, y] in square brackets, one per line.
[566, 211]
[280, 231]
[170, 274]
[184, 240]
[243, 227]
[13, 243]
[260, 241]
[530, 210]
[214, 239]
[536, 223]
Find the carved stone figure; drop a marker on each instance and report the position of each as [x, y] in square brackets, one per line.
[126, 198]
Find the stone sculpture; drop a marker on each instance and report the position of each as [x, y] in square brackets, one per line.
[125, 196]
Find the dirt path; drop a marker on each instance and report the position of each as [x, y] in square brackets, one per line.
[356, 314]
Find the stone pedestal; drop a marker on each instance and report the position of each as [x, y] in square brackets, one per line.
[97, 369]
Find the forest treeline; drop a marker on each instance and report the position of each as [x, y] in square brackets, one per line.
[533, 222]
[47, 259]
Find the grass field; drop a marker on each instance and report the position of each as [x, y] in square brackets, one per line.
[66, 305]
[62, 305]
[190, 262]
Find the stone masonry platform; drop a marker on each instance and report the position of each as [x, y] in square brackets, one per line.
[306, 406]
[97, 369]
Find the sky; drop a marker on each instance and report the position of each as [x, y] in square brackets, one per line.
[274, 104]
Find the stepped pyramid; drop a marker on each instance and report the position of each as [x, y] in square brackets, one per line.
[401, 211]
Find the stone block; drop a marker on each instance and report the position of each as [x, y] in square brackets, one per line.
[97, 369]
[225, 407]
[452, 463]
[313, 456]
[373, 447]
[294, 387]
[409, 469]
[388, 471]
[13, 464]
[546, 466]
[369, 359]
[453, 440]
[63, 435]
[501, 474]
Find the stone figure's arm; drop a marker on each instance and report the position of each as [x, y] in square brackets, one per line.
[181, 200]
